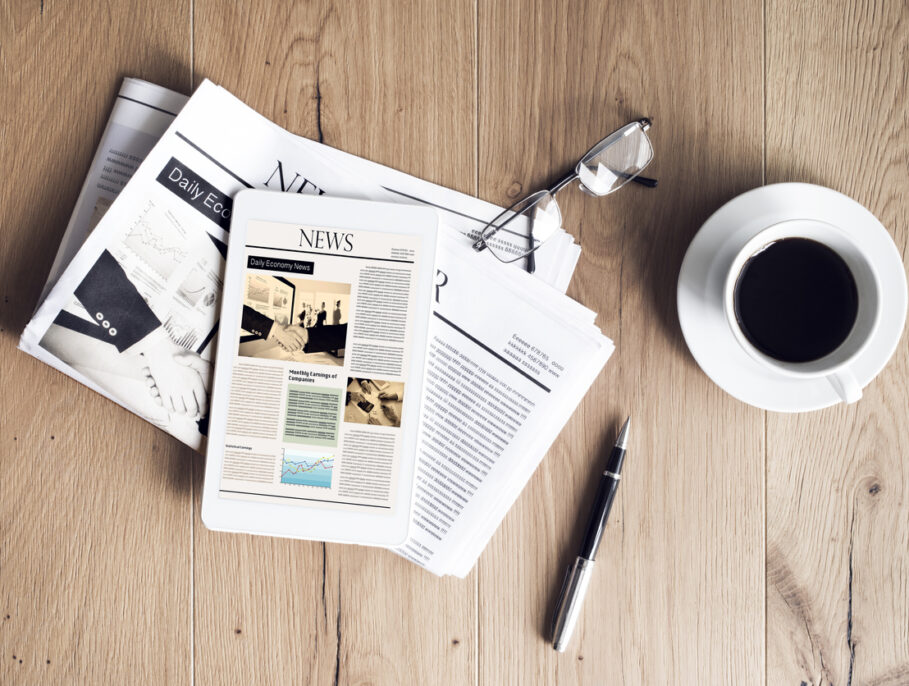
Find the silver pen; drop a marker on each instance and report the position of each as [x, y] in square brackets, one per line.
[568, 607]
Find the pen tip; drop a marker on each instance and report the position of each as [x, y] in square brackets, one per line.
[622, 440]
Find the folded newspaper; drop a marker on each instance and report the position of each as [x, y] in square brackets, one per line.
[133, 303]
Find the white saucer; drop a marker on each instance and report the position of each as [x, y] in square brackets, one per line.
[700, 293]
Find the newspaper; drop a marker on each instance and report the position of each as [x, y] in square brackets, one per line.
[135, 313]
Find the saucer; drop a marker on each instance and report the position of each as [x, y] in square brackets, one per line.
[703, 273]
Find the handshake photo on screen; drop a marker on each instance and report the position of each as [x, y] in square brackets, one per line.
[294, 319]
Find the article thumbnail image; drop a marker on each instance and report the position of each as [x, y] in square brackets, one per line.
[307, 469]
[294, 319]
[373, 401]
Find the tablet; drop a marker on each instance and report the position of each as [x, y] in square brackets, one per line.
[315, 404]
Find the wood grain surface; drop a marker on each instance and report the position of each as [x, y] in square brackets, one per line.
[668, 603]
[95, 504]
[838, 480]
[745, 547]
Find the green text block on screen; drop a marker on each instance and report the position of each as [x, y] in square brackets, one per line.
[313, 415]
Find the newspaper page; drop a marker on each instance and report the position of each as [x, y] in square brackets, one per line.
[141, 114]
[316, 400]
[507, 364]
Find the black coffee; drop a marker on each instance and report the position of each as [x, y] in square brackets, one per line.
[796, 300]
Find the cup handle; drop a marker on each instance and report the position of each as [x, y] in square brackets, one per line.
[845, 385]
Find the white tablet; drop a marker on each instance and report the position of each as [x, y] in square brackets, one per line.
[315, 404]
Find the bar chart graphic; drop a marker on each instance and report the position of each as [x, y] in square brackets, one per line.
[307, 469]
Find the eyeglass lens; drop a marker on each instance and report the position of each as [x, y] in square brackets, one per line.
[615, 160]
[523, 227]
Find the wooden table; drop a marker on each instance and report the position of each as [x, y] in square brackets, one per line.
[746, 547]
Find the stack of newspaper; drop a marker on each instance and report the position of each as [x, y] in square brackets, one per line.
[509, 359]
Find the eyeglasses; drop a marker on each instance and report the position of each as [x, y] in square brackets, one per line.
[605, 168]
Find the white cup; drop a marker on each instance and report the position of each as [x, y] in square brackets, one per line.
[835, 366]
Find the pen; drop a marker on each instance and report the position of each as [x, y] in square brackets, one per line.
[577, 578]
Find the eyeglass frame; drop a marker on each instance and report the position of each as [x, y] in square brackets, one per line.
[481, 243]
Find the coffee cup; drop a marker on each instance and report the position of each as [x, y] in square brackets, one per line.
[769, 302]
